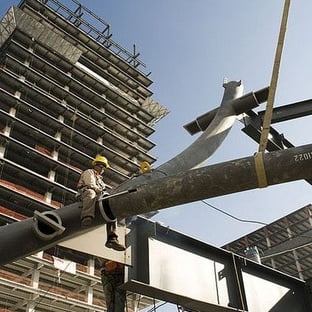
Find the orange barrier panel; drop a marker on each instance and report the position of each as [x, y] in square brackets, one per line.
[29, 193]
[12, 214]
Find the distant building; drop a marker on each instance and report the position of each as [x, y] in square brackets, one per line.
[284, 245]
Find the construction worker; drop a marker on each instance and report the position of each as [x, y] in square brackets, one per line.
[112, 277]
[91, 186]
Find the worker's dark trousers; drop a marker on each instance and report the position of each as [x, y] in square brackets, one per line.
[114, 296]
[111, 229]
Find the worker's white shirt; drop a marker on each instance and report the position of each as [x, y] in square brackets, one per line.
[91, 179]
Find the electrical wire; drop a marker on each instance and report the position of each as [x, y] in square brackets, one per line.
[232, 216]
[248, 221]
[261, 223]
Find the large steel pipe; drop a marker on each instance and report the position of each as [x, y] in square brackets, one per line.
[215, 180]
[20, 239]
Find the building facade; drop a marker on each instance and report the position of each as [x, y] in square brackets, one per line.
[68, 93]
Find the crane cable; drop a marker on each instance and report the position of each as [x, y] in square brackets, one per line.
[259, 165]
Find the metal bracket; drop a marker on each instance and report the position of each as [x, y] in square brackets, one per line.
[47, 225]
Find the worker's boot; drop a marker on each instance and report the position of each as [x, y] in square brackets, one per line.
[113, 242]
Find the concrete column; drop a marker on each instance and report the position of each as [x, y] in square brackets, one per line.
[89, 293]
[60, 118]
[2, 151]
[55, 155]
[48, 197]
[17, 94]
[58, 135]
[89, 289]
[31, 305]
[134, 159]
[51, 175]
[91, 266]
[294, 252]
[12, 111]
[35, 278]
[309, 212]
[7, 129]
[269, 245]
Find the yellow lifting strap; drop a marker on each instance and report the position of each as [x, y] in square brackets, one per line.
[269, 108]
[258, 157]
[260, 170]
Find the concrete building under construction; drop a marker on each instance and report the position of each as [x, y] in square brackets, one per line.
[68, 93]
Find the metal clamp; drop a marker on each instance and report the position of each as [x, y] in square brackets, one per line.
[47, 225]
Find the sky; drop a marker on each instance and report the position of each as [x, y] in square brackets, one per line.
[190, 46]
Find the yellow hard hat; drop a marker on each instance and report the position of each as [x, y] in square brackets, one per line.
[145, 167]
[100, 160]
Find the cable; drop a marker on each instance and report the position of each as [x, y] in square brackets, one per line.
[233, 217]
[262, 223]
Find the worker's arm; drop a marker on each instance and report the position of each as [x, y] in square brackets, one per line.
[88, 179]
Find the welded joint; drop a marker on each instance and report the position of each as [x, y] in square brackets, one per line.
[260, 170]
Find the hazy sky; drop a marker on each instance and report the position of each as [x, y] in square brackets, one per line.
[190, 46]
